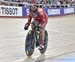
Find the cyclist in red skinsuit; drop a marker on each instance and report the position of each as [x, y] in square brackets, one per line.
[40, 16]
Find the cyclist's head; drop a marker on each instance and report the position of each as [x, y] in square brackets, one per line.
[33, 8]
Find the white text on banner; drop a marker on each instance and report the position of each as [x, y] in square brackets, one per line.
[68, 10]
[53, 11]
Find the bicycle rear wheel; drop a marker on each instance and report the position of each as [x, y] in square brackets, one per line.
[45, 44]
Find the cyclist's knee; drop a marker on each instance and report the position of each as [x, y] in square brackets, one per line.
[42, 30]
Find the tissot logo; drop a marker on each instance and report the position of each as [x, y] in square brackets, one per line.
[10, 11]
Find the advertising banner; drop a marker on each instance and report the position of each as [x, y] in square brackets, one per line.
[10, 11]
[24, 11]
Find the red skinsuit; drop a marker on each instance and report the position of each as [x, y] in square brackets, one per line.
[39, 16]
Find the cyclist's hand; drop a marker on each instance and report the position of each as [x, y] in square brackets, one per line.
[26, 26]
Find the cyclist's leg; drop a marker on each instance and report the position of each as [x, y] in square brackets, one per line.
[42, 35]
[32, 26]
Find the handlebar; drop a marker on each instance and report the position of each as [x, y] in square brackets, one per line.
[37, 28]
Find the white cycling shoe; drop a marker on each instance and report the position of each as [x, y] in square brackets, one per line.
[41, 47]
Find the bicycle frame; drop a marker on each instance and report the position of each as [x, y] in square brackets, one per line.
[36, 34]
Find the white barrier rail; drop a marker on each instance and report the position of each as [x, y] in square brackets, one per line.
[50, 5]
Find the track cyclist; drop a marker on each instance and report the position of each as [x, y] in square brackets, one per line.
[39, 15]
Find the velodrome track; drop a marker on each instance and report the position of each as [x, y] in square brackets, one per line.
[61, 43]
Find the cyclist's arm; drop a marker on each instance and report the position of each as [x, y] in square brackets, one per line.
[29, 19]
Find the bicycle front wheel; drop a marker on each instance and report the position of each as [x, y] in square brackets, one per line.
[29, 44]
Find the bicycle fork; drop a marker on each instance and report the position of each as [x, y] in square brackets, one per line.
[36, 37]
